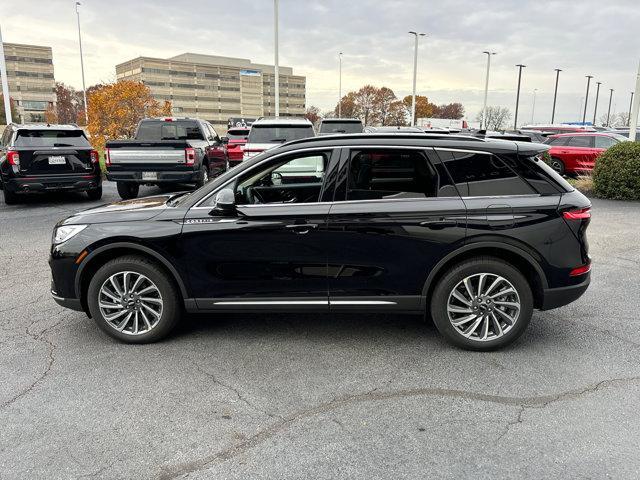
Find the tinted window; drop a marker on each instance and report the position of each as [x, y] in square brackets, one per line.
[238, 134]
[388, 173]
[557, 140]
[271, 134]
[580, 141]
[605, 142]
[51, 138]
[480, 174]
[341, 127]
[155, 130]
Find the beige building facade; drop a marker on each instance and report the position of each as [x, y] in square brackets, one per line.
[215, 88]
[31, 80]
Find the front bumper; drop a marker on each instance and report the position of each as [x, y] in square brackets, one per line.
[558, 297]
[52, 183]
[70, 303]
[189, 176]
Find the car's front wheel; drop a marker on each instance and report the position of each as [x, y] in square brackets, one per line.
[482, 304]
[134, 300]
[127, 190]
[558, 165]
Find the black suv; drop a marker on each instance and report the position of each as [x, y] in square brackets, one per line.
[475, 233]
[40, 158]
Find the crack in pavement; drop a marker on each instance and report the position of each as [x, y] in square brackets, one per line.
[170, 472]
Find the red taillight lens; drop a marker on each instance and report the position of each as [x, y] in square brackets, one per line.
[13, 158]
[107, 157]
[579, 214]
[580, 270]
[189, 156]
[95, 158]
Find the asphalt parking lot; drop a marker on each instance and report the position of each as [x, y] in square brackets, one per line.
[286, 396]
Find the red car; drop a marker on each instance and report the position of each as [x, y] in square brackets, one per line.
[559, 128]
[576, 153]
[237, 138]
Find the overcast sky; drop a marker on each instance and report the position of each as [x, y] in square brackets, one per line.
[601, 38]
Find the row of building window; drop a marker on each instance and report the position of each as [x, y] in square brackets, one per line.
[191, 86]
[19, 73]
[194, 98]
[179, 73]
[14, 58]
[33, 88]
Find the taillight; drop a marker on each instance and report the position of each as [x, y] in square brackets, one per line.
[189, 156]
[13, 158]
[94, 156]
[578, 214]
[107, 157]
[580, 270]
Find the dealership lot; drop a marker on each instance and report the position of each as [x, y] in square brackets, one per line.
[292, 396]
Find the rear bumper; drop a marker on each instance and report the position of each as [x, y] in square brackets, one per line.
[558, 297]
[52, 183]
[189, 176]
[70, 303]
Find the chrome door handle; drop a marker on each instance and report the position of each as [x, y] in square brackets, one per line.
[301, 228]
[439, 224]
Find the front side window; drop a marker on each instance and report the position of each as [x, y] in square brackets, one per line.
[580, 141]
[388, 174]
[293, 179]
[479, 174]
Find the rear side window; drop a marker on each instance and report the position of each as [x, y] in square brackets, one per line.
[156, 130]
[557, 141]
[580, 141]
[482, 174]
[51, 138]
[389, 173]
[273, 134]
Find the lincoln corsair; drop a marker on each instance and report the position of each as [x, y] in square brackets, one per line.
[472, 233]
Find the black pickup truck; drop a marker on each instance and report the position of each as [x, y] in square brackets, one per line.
[166, 151]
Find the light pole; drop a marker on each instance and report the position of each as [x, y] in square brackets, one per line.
[84, 89]
[586, 98]
[276, 69]
[340, 86]
[486, 90]
[555, 96]
[595, 109]
[5, 84]
[415, 74]
[630, 107]
[635, 110]
[609, 109]
[533, 109]
[515, 120]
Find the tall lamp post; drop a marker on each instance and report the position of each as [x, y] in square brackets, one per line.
[415, 75]
[586, 98]
[515, 120]
[275, 54]
[486, 89]
[340, 86]
[84, 89]
[5, 84]
[533, 108]
[630, 107]
[609, 109]
[595, 109]
[555, 96]
[635, 110]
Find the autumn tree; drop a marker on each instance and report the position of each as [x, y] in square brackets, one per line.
[347, 106]
[424, 108]
[51, 114]
[115, 110]
[497, 118]
[449, 110]
[397, 114]
[12, 106]
[313, 115]
[366, 104]
[384, 100]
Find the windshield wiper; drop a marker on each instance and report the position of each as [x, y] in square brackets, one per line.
[62, 145]
[280, 140]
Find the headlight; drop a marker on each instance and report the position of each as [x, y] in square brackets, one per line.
[64, 233]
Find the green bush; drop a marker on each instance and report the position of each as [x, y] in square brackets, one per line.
[617, 172]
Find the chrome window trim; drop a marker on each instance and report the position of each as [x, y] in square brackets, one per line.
[462, 150]
[304, 302]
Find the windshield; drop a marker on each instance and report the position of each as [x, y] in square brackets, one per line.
[51, 138]
[341, 127]
[286, 133]
[238, 134]
[154, 130]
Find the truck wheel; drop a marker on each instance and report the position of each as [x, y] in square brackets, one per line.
[127, 190]
[95, 193]
[203, 177]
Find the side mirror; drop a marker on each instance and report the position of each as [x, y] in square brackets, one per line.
[224, 140]
[225, 203]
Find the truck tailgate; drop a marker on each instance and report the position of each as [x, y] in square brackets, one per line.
[147, 156]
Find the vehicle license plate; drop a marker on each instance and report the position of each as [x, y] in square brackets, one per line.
[149, 176]
[58, 160]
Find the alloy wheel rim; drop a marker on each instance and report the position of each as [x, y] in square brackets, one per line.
[483, 307]
[130, 303]
[205, 176]
[556, 166]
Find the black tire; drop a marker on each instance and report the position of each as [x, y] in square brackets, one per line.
[557, 165]
[493, 266]
[95, 193]
[170, 297]
[166, 187]
[203, 176]
[127, 190]
[10, 198]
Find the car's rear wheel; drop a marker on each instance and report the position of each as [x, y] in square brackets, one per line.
[127, 190]
[203, 176]
[10, 198]
[557, 165]
[482, 304]
[95, 193]
[134, 300]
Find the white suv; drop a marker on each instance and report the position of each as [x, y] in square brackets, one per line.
[267, 133]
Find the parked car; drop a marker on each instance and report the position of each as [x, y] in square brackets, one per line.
[333, 126]
[473, 233]
[576, 153]
[165, 152]
[43, 158]
[625, 133]
[237, 138]
[391, 129]
[561, 128]
[539, 136]
[268, 133]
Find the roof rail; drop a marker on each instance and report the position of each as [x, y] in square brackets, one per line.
[404, 136]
